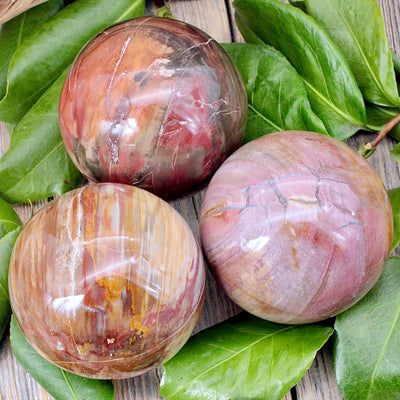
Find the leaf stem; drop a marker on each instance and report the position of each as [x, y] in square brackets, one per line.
[369, 148]
[163, 10]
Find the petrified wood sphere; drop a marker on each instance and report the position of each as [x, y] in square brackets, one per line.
[155, 103]
[296, 226]
[107, 281]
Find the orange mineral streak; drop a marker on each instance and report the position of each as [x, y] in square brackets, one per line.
[138, 328]
[215, 211]
[114, 287]
[86, 348]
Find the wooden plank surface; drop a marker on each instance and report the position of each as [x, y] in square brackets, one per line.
[215, 17]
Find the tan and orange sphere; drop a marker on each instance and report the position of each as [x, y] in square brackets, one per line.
[107, 281]
[152, 102]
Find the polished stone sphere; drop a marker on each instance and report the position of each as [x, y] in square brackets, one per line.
[152, 102]
[296, 226]
[107, 281]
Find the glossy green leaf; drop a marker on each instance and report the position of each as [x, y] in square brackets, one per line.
[367, 342]
[6, 246]
[9, 230]
[299, 4]
[45, 54]
[378, 117]
[37, 165]
[395, 152]
[242, 358]
[61, 384]
[396, 62]
[394, 195]
[332, 88]
[15, 30]
[277, 97]
[9, 219]
[363, 43]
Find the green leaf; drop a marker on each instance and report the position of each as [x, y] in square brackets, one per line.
[62, 385]
[6, 247]
[364, 44]
[394, 195]
[378, 117]
[332, 88]
[9, 219]
[395, 152]
[45, 54]
[164, 11]
[243, 358]
[299, 4]
[277, 97]
[9, 230]
[37, 164]
[15, 30]
[396, 62]
[367, 342]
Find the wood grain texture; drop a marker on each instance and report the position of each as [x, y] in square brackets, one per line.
[11, 8]
[319, 382]
[209, 15]
[215, 17]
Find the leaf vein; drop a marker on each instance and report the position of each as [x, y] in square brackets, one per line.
[342, 114]
[214, 366]
[21, 29]
[6, 221]
[360, 49]
[127, 12]
[20, 181]
[384, 347]
[252, 108]
[68, 383]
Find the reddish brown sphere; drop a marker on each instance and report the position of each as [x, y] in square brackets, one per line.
[107, 281]
[296, 226]
[152, 102]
